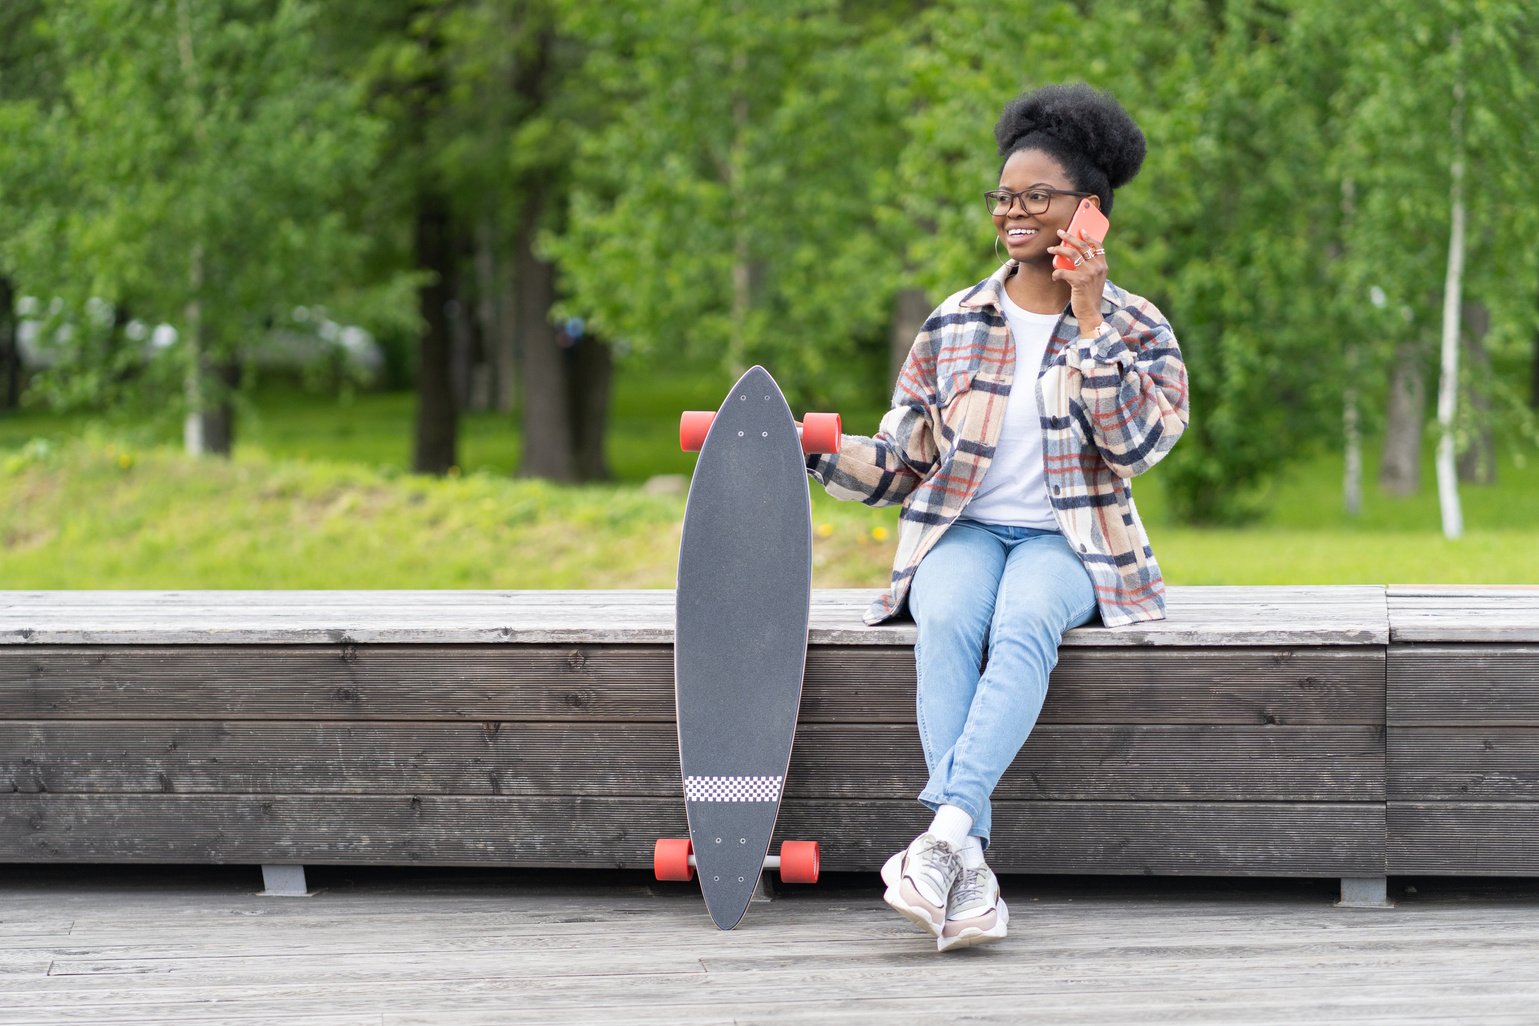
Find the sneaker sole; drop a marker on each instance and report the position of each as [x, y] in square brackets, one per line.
[918, 913]
[971, 936]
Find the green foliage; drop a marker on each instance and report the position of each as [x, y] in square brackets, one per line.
[186, 174]
[726, 209]
[749, 181]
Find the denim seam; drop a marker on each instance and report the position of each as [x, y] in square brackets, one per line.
[949, 798]
[924, 727]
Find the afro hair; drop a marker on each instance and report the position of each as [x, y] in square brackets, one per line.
[1099, 145]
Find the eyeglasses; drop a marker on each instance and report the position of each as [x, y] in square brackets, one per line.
[1035, 200]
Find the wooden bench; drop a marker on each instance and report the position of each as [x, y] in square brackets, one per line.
[1351, 732]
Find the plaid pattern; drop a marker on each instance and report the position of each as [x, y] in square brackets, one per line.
[1112, 406]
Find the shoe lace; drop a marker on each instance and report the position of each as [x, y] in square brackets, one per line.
[937, 861]
[970, 887]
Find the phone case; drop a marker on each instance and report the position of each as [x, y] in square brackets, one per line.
[1089, 217]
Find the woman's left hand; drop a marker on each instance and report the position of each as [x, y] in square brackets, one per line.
[1087, 279]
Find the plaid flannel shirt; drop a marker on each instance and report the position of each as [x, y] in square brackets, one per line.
[1111, 406]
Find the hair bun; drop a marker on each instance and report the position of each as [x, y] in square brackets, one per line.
[1089, 122]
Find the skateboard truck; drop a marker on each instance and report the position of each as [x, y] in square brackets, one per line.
[673, 858]
[819, 432]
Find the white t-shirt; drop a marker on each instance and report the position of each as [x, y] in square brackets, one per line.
[1014, 488]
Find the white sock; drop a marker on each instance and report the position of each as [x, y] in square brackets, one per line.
[951, 825]
[972, 852]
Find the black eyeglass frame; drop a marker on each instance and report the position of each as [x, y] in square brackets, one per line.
[997, 199]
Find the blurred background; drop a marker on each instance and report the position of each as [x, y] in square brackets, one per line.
[410, 293]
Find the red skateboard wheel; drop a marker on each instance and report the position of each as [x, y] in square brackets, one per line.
[694, 425]
[820, 433]
[799, 861]
[670, 858]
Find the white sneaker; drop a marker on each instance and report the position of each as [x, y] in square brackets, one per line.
[918, 880]
[975, 913]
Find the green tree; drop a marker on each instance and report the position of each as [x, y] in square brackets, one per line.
[481, 126]
[30, 78]
[727, 209]
[198, 150]
[1416, 103]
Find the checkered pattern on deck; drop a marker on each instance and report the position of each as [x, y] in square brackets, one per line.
[732, 789]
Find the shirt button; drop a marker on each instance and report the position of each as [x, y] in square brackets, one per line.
[1057, 490]
[1083, 549]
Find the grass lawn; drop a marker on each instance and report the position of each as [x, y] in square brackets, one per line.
[317, 497]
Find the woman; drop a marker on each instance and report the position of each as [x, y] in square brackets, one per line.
[1026, 404]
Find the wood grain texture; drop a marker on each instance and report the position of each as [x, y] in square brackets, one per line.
[1464, 764]
[173, 947]
[1462, 685]
[1464, 838]
[1318, 686]
[1316, 731]
[1153, 763]
[1225, 838]
[1475, 614]
[1338, 615]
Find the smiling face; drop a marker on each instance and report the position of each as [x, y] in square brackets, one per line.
[1026, 237]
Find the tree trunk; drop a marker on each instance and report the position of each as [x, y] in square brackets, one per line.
[216, 424]
[550, 449]
[437, 429]
[1351, 426]
[1453, 288]
[195, 426]
[1477, 463]
[1533, 375]
[1352, 470]
[1400, 466]
[10, 350]
[590, 367]
[909, 310]
[492, 288]
[737, 188]
[467, 367]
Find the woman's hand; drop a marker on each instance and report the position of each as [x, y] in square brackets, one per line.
[1086, 279]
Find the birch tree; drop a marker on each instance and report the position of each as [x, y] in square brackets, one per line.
[1453, 294]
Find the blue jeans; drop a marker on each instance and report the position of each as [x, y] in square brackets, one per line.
[1016, 590]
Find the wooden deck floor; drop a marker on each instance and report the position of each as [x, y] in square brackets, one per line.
[193, 946]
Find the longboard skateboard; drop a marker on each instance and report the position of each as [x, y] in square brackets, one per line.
[740, 649]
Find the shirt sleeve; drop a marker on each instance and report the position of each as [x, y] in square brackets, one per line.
[1131, 400]
[884, 469]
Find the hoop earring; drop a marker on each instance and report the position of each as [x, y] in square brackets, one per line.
[996, 250]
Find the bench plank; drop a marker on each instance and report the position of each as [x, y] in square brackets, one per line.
[1224, 838]
[634, 683]
[1468, 764]
[1472, 614]
[1464, 838]
[1463, 685]
[1337, 615]
[1149, 763]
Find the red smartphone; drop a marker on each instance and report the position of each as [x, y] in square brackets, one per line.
[1087, 216]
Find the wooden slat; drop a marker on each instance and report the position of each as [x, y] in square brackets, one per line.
[1464, 838]
[1462, 685]
[1212, 763]
[634, 683]
[1444, 613]
[1343, 615]
[1230, 838]
[1491, 764]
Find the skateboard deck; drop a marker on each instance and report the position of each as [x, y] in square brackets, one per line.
[744, 588]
